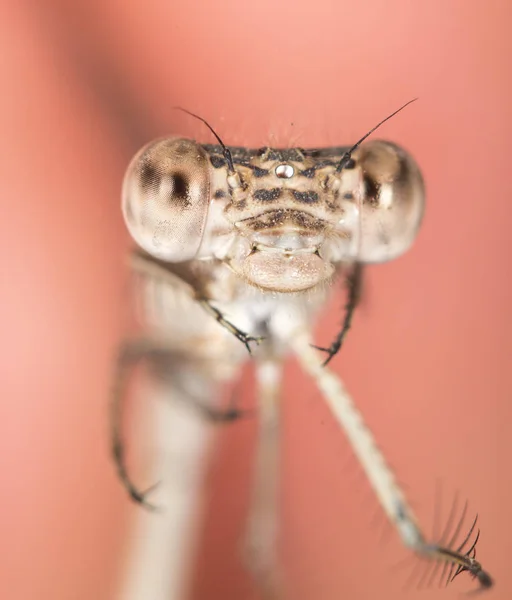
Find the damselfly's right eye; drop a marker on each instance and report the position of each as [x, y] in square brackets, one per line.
[393, 201]
[166, 194]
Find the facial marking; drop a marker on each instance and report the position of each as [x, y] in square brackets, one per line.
[217, 161]
[309, 173]
[267, 195]
[309, 196]
[269, 154]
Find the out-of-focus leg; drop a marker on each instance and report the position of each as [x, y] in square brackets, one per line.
[163, 544]
[261, 543]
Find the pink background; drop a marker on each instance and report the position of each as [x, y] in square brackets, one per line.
[429, 359]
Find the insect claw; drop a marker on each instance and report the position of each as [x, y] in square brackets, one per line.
[459, 560]
[226, 416]
[459, 570]
[140, 497]
[247, 339]
[485, 580]
[328, 359]
[330, 351]
[321, 348]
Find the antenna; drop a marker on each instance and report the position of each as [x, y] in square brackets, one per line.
[225, 150]
[347, 156]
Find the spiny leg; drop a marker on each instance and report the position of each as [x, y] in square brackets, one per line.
[379, 473]
[149, 266]
[162, 547]
[225, 415]
[448, 540]
[260, 548]
[432, 568]
[354, 284]
[219, 317]
[131, 354]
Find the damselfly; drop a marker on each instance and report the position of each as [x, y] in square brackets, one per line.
[238, 250]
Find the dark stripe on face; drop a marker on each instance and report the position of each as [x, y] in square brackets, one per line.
[269, 154]
[294, 154]
[219, 194]
[283, 154]
[266, 195]
[217, 161]
[309, 197]
[309, 173]
[285, 218]
[257, 172]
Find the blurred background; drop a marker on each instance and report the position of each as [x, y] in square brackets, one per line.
[83, 86]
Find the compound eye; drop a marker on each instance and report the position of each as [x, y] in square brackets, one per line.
[166, 193]
[393, 201]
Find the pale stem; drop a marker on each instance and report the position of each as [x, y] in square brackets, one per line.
[261, 542]
[163, 545]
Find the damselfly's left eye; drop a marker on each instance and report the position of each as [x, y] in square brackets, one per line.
[393, 200]
[166, 194]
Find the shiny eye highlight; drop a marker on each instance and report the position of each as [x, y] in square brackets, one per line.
[393, 201]
[166, 194]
